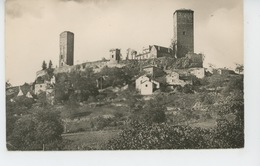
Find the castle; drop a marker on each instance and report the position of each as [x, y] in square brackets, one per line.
[183, 47]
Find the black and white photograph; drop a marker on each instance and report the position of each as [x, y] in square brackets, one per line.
[92, 75]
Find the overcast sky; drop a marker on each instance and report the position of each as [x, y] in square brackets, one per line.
[33, 26]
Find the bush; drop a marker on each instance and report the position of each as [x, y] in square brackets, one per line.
[163, 136]
[152, 112]
[187, 89]
[36, 130]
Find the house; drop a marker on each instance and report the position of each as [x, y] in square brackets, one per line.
[43, 83]
[20, 92]
[198, 72]
[155, 51]
[174, 78]
[146, 86]
[223, 71]
[114, 55]
[24, 90]
[153, 70]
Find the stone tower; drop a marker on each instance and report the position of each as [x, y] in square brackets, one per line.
[183, 32]
[114, 55]
[66, 48]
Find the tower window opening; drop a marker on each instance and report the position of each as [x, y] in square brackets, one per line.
[184, 33]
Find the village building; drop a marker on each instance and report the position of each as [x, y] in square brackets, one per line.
[198, 72]
[19, 91]
[146, 85]
[131, 54]
[115, 55]
[223, 71]
[29, 95]
[43, 83]
[174, 78]
[153, 71]
[154, 51]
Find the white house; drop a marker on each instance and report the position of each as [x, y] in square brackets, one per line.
[146, 85]
[198, 72]
[20, 92]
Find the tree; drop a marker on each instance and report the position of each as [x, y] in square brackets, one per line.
[152, 112]
[83, 85]
[172, 46]
[239, 68]
[103, 59]
[50, 64]
[40, 130]
[44, 65]
[8, 84]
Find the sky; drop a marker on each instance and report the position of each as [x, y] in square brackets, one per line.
[32, 29]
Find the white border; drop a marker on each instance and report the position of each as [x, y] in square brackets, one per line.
[247, 156]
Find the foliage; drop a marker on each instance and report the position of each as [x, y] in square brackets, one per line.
[164, 136]
[8, 84]
[41, 129]
[77, 86]
[113, 77]
[187, 88]
[235, 84]
[50, 64]
[83, 86]
[152, 112]
[44, 65]
[239, 68]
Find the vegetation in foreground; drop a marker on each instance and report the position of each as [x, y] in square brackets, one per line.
[85, 118]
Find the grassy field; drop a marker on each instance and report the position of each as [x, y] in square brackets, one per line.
[89, 140]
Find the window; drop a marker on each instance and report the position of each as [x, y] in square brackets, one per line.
[40, 86]
[184, 33]
[146, 85]
[112, 56]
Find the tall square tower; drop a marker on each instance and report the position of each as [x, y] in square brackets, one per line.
[114, 55]
[183, 32]
[66, 48]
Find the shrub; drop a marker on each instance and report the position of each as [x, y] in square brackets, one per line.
[163, 136]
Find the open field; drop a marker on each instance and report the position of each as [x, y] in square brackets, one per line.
[89, 139]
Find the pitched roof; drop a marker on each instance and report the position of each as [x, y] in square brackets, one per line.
[162, 49]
